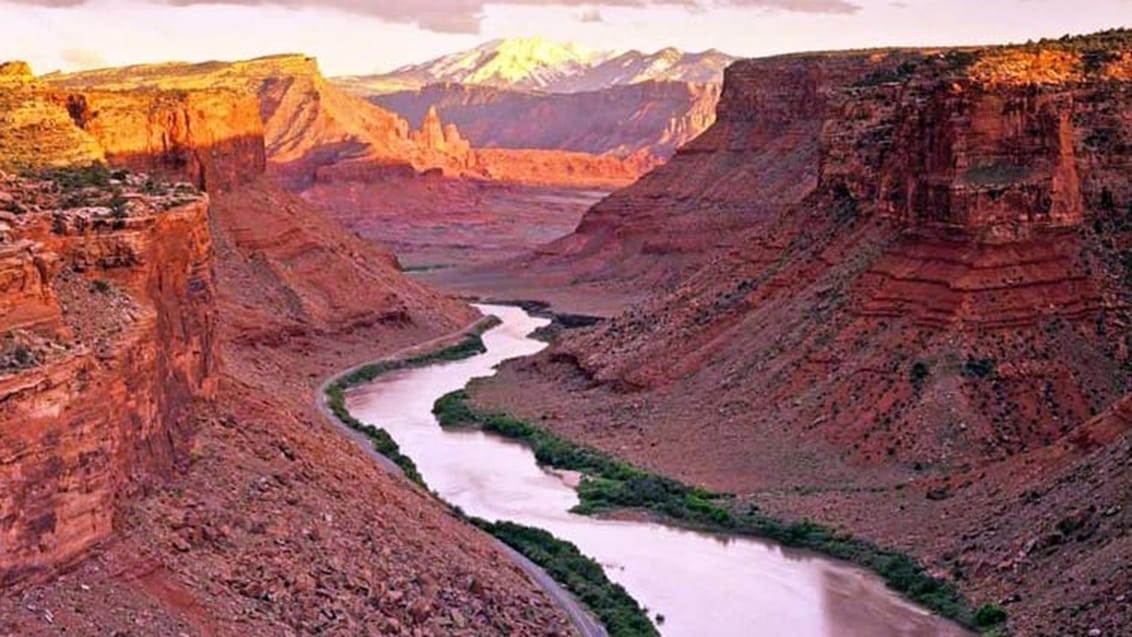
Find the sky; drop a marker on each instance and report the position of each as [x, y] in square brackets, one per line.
[366, 36]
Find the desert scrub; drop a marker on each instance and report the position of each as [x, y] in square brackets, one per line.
[383, 443]
[94, 175]
[621, 615]
[611, 484]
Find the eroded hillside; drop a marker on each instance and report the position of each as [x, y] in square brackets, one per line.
[163, 467]
[888, 291]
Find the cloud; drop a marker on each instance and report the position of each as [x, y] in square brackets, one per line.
[83, 59]
[464, 16]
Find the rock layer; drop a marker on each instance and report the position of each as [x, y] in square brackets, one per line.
[906, 272]
[108, 411]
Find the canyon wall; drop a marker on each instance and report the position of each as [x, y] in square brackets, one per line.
[213, 139]
[108, 307]
[311, 128]
[924, 199]
[880, 282]
[110, 337]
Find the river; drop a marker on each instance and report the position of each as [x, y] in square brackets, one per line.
[703, 584]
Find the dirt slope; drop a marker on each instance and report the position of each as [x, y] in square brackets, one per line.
[886, 291]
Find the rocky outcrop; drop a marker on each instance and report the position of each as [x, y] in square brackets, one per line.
[123, 306]
[15, 72]
[35, 128]
[443, 139]
[213, 139]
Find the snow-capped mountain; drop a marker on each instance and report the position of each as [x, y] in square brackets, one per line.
[534, 64]
[522, 63]
[634, 67]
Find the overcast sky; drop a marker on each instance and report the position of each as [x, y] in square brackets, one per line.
[365, 36]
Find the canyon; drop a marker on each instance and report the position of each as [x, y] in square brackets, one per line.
[887, 291]
[527, 93]
[359, 163]
[163, 468]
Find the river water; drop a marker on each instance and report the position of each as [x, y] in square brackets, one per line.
[703, 585]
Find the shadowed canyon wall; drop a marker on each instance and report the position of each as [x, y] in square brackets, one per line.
[109, 308]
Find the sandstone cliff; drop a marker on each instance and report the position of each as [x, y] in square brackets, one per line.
[214, 139]
[110, 325]
[219, 500]
[901, 271]
[311, 128]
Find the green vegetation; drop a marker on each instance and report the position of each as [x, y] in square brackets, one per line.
[919, 374]
[581, 575]
[611, 484]
[101, 287]
[383, 443]
[1091, 44]
[94, 175]
[990, 616]
[16, 355]
[897, 74]
[979, 367]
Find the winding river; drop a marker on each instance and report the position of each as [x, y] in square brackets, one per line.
[703, 585]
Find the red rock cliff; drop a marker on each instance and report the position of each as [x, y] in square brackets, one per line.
[846, 206]
[213, 139]
[106, 300]
[897, 288]
[110, 337]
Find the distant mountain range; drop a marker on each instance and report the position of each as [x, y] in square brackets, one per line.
[531, 93]
[652, 119]
[537, 65]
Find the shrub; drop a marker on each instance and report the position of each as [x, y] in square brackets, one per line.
[581, 575]
[611, 484]
[118, 206]
[919, 373]
[979, 367]
[101, 287]
[989, 616]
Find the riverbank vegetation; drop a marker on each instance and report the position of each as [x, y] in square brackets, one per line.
[383, 443]
[611, 484]
[621, 615]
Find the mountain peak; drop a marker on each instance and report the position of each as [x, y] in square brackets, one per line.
[537, 64]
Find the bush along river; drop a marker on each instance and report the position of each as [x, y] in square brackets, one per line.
[540, 494]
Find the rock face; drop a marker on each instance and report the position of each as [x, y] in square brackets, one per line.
[436, 136]
[312, 129]
[123, 313]
[214, 139]
[219, 500]
[651, 118]
[875, 269]
[35, 127]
